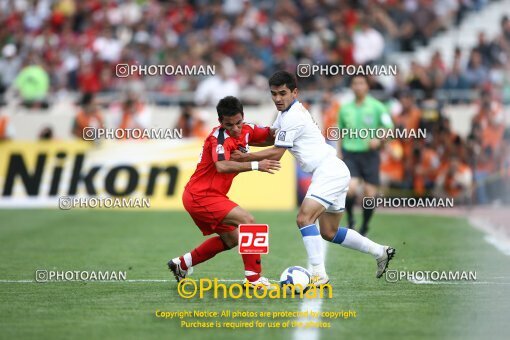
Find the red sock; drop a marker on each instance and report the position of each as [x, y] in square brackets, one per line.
[252, 266]
[207, 250]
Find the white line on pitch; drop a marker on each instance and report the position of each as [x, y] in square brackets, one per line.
[500, 241]
[106, 281]
[500, 245]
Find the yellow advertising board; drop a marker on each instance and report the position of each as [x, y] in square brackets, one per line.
[36, 174]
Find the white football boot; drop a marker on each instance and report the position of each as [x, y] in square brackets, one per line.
[382, 262]
[175, 266]
[261, 283]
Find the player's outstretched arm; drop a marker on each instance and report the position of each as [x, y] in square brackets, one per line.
[274, 153]
[265, 165]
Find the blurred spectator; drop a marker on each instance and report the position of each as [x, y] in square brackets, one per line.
[253, 85]
[10, 65]
[392, 165]
[487, 148]
[368, 44]
[488, 108]
[485, 49]
[88, 116]
[426, 165]
[418, 22]
[476, 72]
[36, 13]
[408, 119]
[46, 133]
[504, 183]
[192, 123]
[108, 46]
[32, 84]
[505, 28]
[212, 89]
[6, 127]
[132, 113]
[418, 78]
[89, 80]
[455, 79]
[446, 11]
[329, 111]
[431, 114]
[436, 71]
[454, 180]
[70, 35]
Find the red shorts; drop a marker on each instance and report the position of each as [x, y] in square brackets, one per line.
[209, 212]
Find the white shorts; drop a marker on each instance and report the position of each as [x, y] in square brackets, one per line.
[330, 183]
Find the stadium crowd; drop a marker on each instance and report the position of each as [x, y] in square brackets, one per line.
[54, 46]
[51, 48]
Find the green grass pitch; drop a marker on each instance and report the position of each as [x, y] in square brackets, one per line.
[141, 243]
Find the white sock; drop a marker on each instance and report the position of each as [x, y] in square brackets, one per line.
[354, 240]
[314, 247]
[188, 260]
[320, 269]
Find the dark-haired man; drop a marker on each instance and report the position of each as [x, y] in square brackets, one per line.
[205, 195]
[325, 199]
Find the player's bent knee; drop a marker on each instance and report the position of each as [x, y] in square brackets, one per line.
[328, 235]
[303, 220]
[230, 242]
[233, 243]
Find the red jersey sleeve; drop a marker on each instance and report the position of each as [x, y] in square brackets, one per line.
[259, 134]
[219, 149]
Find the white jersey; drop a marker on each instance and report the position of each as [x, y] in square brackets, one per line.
[297, 131]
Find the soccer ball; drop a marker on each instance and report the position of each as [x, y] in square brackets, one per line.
[297, 276]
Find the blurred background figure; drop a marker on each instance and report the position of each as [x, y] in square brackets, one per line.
[454, 180]
[10, 65]
[88, 115]
[392, 165]
[212, 89]
[132, 113]
[330, 107]
[193, 123]
[426, 163]
[6, 127]
[46, 133]
[368, 43]
[32, 84]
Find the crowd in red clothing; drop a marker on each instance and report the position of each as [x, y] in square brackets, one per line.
[78, 43]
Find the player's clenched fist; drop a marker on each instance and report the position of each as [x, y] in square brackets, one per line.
[268, 165]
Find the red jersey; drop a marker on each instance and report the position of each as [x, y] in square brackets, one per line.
[206, 180]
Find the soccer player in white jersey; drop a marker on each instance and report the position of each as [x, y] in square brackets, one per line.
[325, 199]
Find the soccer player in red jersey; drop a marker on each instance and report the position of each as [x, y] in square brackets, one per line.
[205, 195]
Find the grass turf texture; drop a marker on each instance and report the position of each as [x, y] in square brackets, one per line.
[141, 243]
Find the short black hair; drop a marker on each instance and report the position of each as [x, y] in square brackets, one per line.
[229, 106]
[86, 98]
[280, 78]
